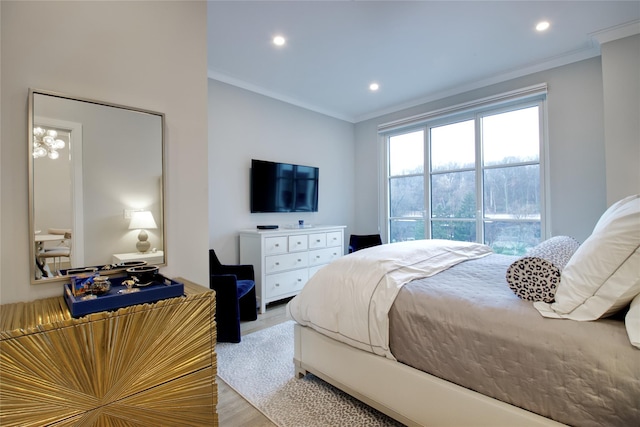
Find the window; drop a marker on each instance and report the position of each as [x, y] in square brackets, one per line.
[473, 176]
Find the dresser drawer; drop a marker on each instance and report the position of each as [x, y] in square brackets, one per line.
[317, 240]
[324, 256]
[334, 239]
[275, 245]
[285, 283]
[298, 243]
[284, 262]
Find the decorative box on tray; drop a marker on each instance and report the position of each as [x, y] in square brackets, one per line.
[117, 297]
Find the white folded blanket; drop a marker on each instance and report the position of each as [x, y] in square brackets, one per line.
[349, 300]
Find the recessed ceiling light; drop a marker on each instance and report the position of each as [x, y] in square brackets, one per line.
[279, 40]
[543, 26]
[374, 87]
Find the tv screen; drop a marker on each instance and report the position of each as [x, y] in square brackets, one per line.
[283, 187]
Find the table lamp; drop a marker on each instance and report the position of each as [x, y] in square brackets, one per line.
[142, 220]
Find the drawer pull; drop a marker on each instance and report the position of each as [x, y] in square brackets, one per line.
[277, 263]
[277, 245]
[299, 280]
[317, 256]
[318, 240]
[299, 260]
[277, 284]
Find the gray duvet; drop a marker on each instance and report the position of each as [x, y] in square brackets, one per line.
[465, 325]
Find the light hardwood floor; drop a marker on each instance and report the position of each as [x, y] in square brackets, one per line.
[233, 409]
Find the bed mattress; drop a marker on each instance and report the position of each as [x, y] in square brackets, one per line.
[465, 325]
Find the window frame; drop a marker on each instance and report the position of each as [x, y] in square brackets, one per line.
[528, 97]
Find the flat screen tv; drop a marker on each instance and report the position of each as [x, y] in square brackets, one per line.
[283, 187]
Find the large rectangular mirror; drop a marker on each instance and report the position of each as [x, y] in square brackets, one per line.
[96, 183]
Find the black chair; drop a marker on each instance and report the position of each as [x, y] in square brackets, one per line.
[362, 241]
[235, 296]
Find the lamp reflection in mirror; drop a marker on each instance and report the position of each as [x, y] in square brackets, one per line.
[45, 143]
[142, 220]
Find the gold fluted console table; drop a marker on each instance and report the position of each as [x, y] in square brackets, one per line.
[143, 365]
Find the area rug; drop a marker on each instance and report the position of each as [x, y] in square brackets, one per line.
[260, 368]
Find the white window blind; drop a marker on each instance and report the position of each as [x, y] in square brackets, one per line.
[506, 97]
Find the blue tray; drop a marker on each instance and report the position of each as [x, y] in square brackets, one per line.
[160, 289]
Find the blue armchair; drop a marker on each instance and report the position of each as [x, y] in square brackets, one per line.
[362, 241]
[235, 297]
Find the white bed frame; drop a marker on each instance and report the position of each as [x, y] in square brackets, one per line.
[406, 394]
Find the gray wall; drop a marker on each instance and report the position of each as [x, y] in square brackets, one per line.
[149, 55]
[244, 125]
[576, 147]
[621, 82]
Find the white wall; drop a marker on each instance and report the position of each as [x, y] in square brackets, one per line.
[244, 125]
[150, 55]
[576, 144]
[621, 82]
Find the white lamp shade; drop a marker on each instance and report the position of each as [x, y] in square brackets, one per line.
[142, 220]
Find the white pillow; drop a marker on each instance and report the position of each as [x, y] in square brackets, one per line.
[606, 216]
[632, 322]
[603, 275]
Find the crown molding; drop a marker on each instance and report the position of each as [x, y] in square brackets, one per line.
[224, 78]
[558, 61]
[617, 32]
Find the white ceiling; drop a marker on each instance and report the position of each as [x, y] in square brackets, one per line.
[416, 50]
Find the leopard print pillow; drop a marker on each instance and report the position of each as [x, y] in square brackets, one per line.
[536, 277]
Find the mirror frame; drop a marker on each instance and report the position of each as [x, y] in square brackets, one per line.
[31, 171]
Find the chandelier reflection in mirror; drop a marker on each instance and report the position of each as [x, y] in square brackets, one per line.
[46, 144]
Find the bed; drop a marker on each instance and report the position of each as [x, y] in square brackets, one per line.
[456, 344]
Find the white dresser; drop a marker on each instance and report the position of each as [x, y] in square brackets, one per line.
[284, 259]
